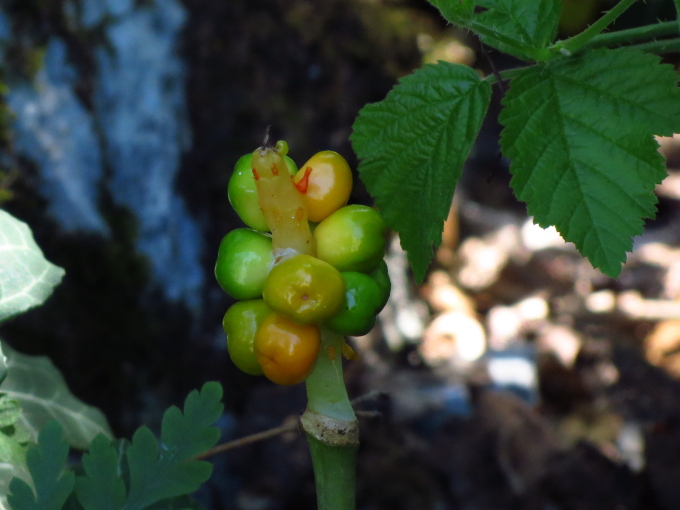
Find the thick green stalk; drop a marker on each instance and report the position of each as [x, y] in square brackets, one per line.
[617, 38]
[659, 47]
[635, 35]
[334, 474]
[332, 428]
[573, 44]
[329, 420]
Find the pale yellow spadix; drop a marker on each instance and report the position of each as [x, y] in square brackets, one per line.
[282, 204]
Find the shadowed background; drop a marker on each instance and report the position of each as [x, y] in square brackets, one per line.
[125, 120]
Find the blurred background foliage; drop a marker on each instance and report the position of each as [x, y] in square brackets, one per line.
[303, 68]
[120, 124]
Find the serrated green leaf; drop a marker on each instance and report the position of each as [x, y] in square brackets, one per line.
[26, 277]
[201, 410]
[43, 394]
[101, 488]
[22, 496]
[455, 11]
[413, 145]
[156, 475]
[531, 23]
[579, 135]
[46, 462]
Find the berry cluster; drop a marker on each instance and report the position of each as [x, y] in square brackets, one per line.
[307, 262]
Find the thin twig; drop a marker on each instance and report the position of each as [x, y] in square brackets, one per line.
[266, 136]
[292, 426]
[504, 89]
[371, 395]
[494, 69]
[369, 414]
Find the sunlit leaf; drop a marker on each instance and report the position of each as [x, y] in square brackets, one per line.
[413, 145]
[26, 277]
[579, 134]
[13, 446]
[41, 391]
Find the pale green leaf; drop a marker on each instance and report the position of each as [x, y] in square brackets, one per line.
[26, 277]
[12, 450]
[3, 365]
[46, 462]
[14, 437]
[10, 411]
[413, 145]
[13, 446]
[43, 395]
[579, 135]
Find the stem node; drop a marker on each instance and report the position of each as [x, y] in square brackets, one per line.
[330, 431]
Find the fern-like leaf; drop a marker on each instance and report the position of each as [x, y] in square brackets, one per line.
[46, 462]
[155, 472]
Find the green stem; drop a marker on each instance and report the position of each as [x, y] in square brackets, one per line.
[663, 46]
[634, 35]
[326, 392]
[331, 427]
[334, 474]
[573, 44]
[616, 38]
